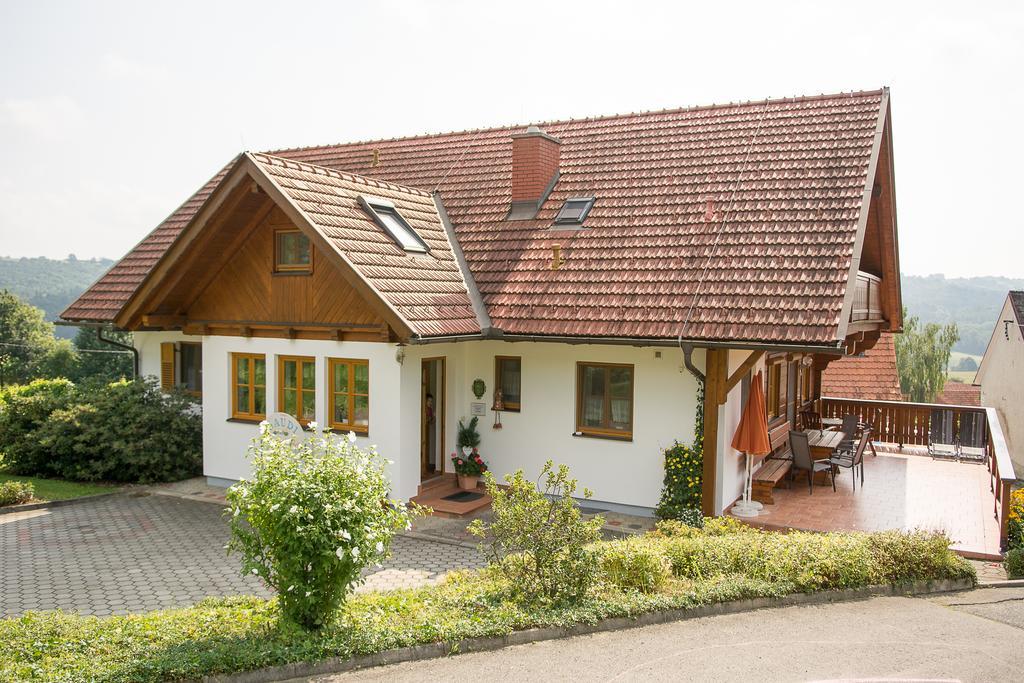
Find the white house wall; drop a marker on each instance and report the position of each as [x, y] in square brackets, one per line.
[1001, 377]
[626, 473]
[732, 463]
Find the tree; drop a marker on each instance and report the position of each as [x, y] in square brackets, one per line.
[28, 348]
[97, 358]
[967, 364]
[922, 356]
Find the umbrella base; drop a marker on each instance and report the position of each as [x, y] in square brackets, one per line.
[746, 509]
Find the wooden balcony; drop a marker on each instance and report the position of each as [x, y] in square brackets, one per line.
[905, 424]
[867, 301]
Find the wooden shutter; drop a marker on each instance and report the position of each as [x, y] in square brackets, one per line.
[167, 373]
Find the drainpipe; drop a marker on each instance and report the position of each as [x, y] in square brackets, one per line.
[121, 345]
[688, 361]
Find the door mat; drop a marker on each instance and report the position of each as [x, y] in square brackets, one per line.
[464, 497]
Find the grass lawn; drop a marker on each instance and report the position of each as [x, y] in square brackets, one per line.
[965, 376]
[58, 489]
[241, 634]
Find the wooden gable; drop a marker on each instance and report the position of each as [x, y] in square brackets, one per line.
[224, 283]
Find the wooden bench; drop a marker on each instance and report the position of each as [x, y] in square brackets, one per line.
[775, 468]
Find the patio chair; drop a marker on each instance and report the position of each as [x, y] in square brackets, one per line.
[941, 443]
[872, 424]
[802, 460]
[851, 425]
[973, 437]
[810, 419]
[851, 459]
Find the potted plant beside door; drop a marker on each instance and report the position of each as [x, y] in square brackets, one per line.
[467, 461]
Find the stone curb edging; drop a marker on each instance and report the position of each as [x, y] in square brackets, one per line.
[7, 510]
[1008, 583]
[533, 635]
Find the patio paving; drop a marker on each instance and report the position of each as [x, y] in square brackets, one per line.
[129, 553]
[900, 492]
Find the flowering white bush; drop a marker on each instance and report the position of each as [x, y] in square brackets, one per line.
[314, 514]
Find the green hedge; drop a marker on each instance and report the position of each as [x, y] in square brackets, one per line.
[122, 431]
[241, 634]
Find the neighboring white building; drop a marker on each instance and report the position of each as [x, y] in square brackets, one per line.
[1001, 374]
[590, 272]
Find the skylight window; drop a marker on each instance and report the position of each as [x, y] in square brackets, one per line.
[387, 217]
[575, 210]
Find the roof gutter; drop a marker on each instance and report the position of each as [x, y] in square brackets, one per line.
[497, 335]
[483, 318]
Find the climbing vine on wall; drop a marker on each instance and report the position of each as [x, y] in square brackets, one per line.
[684, 467]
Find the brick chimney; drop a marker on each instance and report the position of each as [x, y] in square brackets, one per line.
[535, 157]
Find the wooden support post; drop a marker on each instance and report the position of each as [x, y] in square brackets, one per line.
[716, 378]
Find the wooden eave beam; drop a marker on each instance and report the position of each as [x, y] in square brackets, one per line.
[741, 372]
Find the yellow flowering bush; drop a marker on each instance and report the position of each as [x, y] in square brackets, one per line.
[1015, 520]
[684, 468]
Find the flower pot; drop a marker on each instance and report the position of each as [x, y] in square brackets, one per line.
[468, 482]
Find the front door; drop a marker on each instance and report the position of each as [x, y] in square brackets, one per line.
[432, 405]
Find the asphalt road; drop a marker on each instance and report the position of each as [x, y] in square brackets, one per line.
[969, 636]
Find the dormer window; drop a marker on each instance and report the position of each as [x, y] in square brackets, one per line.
[574, 211]
[388, 217]
[292, 252]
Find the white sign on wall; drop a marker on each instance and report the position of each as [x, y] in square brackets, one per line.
[478, 409]
[284, 426]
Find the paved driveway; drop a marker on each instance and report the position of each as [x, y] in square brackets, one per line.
[133, 554]
[972, 636]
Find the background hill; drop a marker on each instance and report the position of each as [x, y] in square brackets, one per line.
[973, 303]
[50, 284]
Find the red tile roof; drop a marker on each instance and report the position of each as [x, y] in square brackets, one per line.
[959, 394]
[871, 376]
[426, 290]
[787, 178]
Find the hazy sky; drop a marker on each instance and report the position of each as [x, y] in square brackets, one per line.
[112, 114]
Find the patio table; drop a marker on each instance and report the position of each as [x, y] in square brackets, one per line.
[823, 443]
[831, 422]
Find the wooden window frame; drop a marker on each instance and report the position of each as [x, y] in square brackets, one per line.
[509, 407]
[805, 379]
[291, 268]
[605, 432]
[299, 389]
[780, 398]
[248, 415]
[361, 430]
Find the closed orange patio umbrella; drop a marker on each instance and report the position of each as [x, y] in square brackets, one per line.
[752, 439]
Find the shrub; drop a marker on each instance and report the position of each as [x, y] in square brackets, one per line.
[538, 539]
[15, 492]
[722, 526]
[684, 472]
[1015, 520]
[1014, 563]
[633, 564]
[809, 561]
[314, 514]
[23, 410]
[674, 528]
[124, 431]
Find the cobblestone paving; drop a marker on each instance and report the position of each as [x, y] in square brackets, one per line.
[134, 554]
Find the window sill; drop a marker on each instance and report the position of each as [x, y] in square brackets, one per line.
[292, 273]
[246, 420]
[341, 430]
[606, 437]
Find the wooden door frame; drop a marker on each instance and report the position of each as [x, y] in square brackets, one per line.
[440, 410]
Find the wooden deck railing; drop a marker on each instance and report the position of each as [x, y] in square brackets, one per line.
[867, 304]
[905, 423]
